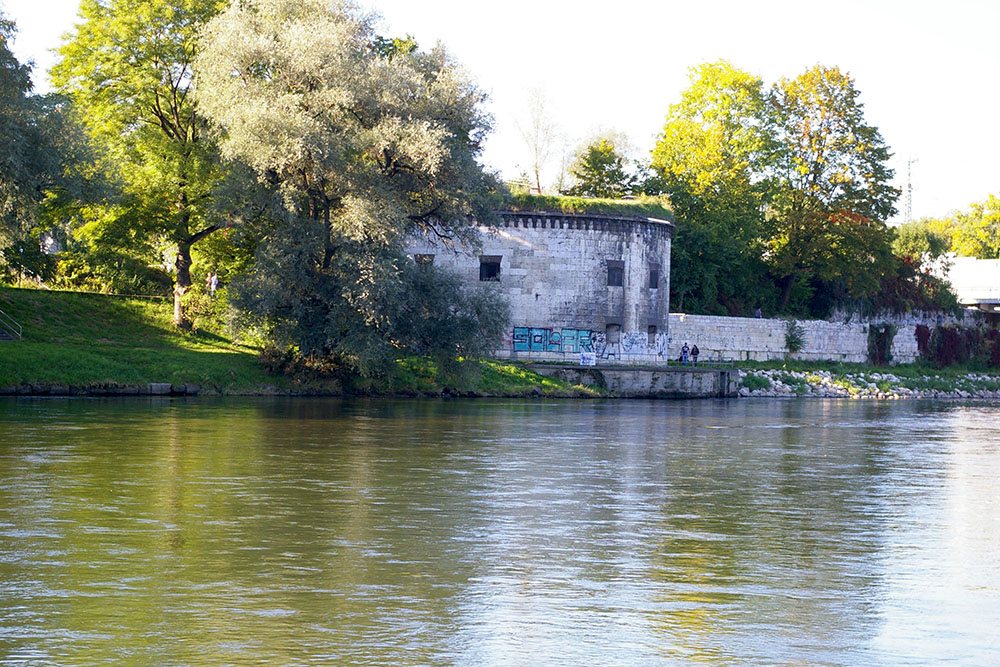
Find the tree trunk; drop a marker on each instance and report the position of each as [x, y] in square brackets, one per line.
[786, 290]
[182, 282]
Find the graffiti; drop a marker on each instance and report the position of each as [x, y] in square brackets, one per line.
[630, 345]
[540, 339]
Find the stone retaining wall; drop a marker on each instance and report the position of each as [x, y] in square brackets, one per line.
[736, 338]
[752, 339]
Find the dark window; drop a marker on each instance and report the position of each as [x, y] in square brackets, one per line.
[489, 268]
[613, 334]
[423, 259]
[654, 276]
[616, 273]
[651, 335]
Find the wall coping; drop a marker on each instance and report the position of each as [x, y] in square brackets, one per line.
[587, 221]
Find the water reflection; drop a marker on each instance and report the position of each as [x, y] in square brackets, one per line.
[426, 532]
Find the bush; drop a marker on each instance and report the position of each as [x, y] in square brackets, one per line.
[880, 343]
[754, 382]
[795, 336]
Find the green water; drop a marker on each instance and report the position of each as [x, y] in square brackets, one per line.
[281, 532]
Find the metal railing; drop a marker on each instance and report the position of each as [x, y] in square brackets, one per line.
[639, 360]
[9, 323]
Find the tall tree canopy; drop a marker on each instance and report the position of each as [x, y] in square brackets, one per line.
[714, 159]
[367, 140]
[42, 151]
[16, 172]
[128, 68]
[976, 232]
[834, 193]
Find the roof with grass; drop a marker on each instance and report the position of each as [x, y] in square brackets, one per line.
[657, 208]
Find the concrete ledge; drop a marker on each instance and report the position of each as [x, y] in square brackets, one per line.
[649, 382]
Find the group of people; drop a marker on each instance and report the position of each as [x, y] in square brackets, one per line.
[693, 352]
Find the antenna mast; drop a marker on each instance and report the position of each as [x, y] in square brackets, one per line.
[908, 214]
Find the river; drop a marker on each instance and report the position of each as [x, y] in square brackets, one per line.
[300, 531]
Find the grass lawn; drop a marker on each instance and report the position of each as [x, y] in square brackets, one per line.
[79, 339]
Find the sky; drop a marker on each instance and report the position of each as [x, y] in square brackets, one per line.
[926, 70]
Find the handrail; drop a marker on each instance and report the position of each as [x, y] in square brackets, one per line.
[11, 324]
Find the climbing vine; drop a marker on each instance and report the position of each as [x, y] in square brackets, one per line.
[880, 338]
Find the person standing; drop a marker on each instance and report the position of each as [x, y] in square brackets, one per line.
[694, 354]
[684, 354]
[213, 283]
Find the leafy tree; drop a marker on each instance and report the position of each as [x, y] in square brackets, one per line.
[363, 146]
[128, 68]
[977, 232]
[16, 173]
[40, 166]
[713, 159]
[600, 170]
[833, 192]
[919, 240]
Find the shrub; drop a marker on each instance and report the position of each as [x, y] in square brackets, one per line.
[795, 336]
[923, 336]
[880, 343]
[754, 382]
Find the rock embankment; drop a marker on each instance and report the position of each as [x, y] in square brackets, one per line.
[824, 384]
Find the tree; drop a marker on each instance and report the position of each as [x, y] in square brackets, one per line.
[713, 159]
[922, 241]
[600, 170]
[16, 173]
[977, 232]
[834, 191]
[128, 68]
[364, 143]
[539, 133]
[41, 163]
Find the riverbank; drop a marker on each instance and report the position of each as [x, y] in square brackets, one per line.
[80, 344]
[99, 345]
[901, 382]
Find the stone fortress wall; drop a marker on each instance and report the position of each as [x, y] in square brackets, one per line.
[600, 284]
[575, 283]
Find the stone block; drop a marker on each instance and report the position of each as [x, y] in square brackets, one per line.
[159, 388]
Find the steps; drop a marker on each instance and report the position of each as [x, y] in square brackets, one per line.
[10, 329]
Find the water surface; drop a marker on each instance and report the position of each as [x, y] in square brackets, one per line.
[177, 532]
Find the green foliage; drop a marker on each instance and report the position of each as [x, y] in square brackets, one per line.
[833, 191]
[754, 382]
[712, 159]
[17, 175]
[363, 147]
[140, 110]
[880, 337]
[640, 207]
[920, 240]
[795, 336]
[977, 232]
[600, 171]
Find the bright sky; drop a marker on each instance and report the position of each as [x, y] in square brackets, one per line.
[926, 69]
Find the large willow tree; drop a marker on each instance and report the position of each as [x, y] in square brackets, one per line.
[367, 140]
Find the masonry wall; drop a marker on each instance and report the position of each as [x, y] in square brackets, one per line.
[745, 338]
[726, 338]
[554, 273]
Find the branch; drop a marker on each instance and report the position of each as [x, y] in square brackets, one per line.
[197, 236]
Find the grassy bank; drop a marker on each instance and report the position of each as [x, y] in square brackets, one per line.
[79, 340]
